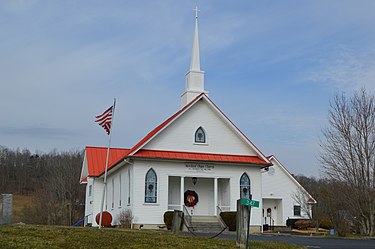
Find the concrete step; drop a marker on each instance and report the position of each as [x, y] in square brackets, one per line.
[205, 224]
[202, 218]
[208, 226]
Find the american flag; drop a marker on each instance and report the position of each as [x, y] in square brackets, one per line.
[105, 119]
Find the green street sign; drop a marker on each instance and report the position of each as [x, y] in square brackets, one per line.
[252, 203]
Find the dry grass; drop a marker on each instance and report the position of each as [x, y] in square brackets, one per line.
[19, 203]
[29, 236]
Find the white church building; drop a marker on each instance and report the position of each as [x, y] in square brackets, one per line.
[196, 161]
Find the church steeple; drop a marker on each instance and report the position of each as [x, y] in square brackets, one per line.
[195, 58]
[194, 78]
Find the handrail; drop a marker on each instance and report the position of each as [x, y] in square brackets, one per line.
[187, 215]
[219, 209]
[222, 223]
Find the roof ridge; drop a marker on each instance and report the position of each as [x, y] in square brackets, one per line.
[101, 147]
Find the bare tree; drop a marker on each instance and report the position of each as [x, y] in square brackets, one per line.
[302, 198]
[348, 153]
[334, 204]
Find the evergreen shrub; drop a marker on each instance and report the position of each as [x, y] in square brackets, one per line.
[229, 218]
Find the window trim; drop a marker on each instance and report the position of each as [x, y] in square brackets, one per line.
[120, 190]
[151, 170]
[113, 194]
[299, 210]
[200, 128]
[242, 186]
[129, 186]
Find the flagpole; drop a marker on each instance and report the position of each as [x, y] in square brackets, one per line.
[106, 164]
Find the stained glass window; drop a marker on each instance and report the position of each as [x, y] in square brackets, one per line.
[245, 186]
[200, 136]
[151, 186]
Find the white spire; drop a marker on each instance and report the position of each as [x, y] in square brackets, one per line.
[195, 58]
[194, 77]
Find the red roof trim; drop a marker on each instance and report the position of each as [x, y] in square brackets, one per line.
[194, 156]
[187, 156]
[169, 120]
[312, 200]
[96, 157]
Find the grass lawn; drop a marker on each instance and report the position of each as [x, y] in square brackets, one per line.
[19, 203]
[30, 236]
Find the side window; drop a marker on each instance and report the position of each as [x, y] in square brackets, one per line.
[129, 185]
[245, 186]
[90, 190]
[151, 186]
[120, 190]
[200, 136]
[297, 210]
[113, 193]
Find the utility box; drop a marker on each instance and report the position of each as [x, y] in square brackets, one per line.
[6, 205]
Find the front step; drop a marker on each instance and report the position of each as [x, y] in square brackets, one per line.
[204, 218]
[205, 224]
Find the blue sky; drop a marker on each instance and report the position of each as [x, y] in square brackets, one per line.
[271, 66]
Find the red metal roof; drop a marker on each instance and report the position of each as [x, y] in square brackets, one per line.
[96, 157]
[194, 156]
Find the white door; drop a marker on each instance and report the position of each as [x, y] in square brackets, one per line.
[204, 189]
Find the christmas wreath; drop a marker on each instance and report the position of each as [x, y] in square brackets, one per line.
[191, 198]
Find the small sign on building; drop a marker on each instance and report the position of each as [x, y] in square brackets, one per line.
[200, 167]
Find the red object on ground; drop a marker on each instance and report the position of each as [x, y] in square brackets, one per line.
[106, 219]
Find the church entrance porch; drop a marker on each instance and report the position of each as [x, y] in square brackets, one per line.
[200, 195]
[272, 212]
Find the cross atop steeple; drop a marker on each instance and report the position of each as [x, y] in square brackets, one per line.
[195, 76]
[196, 11]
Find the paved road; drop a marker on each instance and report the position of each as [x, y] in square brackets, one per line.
[310, 242]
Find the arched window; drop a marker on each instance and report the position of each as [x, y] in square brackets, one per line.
[151, 183]
[200, 136]
[245, 186]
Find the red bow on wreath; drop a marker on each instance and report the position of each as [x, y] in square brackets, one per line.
[191, 198]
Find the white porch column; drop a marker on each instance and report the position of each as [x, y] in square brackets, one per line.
[182, 188]
[215, 196]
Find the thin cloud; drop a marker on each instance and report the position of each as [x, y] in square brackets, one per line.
[347, 70]
[37, 132]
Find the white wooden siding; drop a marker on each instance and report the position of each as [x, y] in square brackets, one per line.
[279, 185]
[153, 213]
[125, 172]
[220, 137]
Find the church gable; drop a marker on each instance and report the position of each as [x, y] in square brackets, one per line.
[278, 180]
[202, 128]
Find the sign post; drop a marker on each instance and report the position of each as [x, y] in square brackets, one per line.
[250, 203]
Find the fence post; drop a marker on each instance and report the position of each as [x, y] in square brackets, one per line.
[177, 221]
[242, 224]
